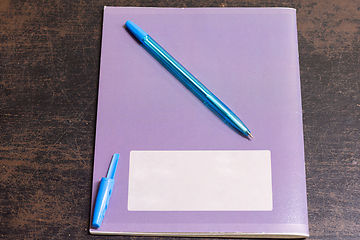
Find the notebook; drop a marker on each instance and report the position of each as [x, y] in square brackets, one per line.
[182, 171]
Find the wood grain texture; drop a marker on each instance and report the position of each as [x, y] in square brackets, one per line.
[50, 54]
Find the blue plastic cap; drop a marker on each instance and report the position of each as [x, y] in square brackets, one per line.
[104, 193]
[102, 202]
[136, 30]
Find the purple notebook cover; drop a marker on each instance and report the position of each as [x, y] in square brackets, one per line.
[248, 57]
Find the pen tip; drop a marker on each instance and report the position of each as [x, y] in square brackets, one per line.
[251, 136]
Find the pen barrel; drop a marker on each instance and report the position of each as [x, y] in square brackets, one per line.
[194, 85]
[224, 113]
[175, 68]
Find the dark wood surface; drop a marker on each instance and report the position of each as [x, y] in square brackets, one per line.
[50, 54]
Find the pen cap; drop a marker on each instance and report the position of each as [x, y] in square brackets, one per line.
[135, 30]
[102, 200]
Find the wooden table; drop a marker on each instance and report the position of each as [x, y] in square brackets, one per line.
[50, 54]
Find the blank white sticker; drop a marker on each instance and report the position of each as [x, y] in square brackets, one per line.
[200, 181]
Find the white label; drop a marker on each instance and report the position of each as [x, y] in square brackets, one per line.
[200, 181]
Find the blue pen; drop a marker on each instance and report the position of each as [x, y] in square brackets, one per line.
[104, 193]
[188, 80]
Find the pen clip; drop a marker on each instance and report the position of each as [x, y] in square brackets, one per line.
[113, 166]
